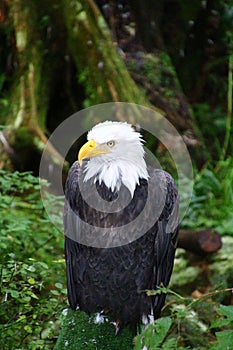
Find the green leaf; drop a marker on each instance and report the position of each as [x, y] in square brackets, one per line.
[25, 300]
[170, 344]
[218, 322]
[226, 311]
[55, 292]
[33, 295]
[21, 318]
[14, 293]
[153, 336]
[28, 329]
[224, 340]
[162, 326]
[58, 285]
[31, 281]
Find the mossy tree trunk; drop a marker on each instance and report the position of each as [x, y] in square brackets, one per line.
[99, 67]
[25, 118]
[46, 35]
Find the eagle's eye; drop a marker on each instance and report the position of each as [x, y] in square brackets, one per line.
[111, 143]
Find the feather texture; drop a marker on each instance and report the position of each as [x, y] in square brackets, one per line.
[115, 278]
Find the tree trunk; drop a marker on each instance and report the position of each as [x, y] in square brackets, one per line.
[100, 66]
[26, 118]
[100, 69]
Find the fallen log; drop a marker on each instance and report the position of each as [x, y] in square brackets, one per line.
[201, 242]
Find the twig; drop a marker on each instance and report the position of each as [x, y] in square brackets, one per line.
[193, 301]
[210, 294]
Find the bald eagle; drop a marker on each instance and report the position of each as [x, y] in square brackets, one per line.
[121, 227]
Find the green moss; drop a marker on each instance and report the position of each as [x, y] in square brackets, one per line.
[79, 331]
[221, 268]
[23, 138]
[159, 72]
[101, 71]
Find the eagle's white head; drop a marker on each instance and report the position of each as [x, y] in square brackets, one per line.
[116, 155]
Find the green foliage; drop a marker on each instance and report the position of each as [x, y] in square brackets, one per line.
[221, 268]
[32, 282]
[212, 201]
[32, 278]
[224, 337]
[224, 340]
[227, 317]
[188, 327]
[153, 336]
[205, 117]
[183, 273]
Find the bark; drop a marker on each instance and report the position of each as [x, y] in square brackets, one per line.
[86, 46]
[154, 72]
[26, 119]
[200, 242]
[101, 68]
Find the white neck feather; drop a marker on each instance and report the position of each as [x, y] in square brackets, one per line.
[124, 163]
[116, 172]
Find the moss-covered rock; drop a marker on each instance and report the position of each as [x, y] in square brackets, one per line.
[79, 331]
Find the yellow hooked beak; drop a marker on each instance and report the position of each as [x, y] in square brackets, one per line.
[89, 150]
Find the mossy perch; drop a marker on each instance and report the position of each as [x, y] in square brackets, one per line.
[79, 331]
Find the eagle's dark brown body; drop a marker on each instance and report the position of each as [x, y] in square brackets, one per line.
[115, 279]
